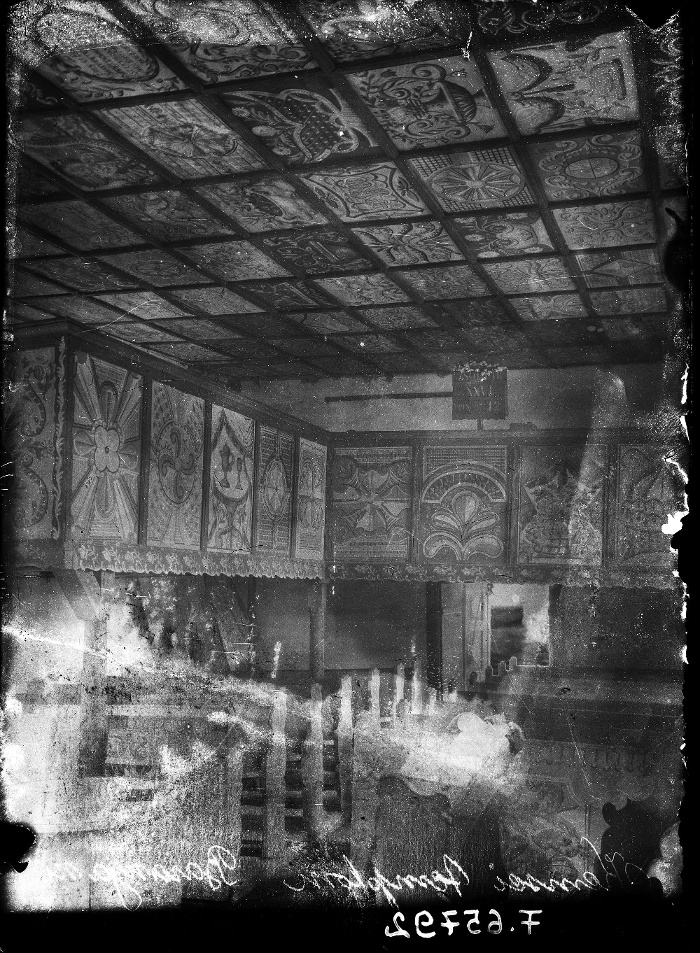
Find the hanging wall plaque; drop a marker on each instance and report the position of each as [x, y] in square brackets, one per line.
[479, 392]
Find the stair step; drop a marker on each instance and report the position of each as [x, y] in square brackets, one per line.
[252, 810]
[250, 850]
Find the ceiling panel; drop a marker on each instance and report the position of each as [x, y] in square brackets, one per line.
[614, 268]
[29, 245]
[582, 168]
[450, 281]
[481, 178]
[199, 329]
[562, 86]
[263, 205]
[184, 351]
[397, 319]
[357, 193]
[358, 290]
[137, 333]
[155, 267]
[629, 301]
[79, 225]
[328, 322]
[489, 310]
[367, 343]
[26, 285]
[504, 234]
[545, 307]
[213, 300]
[185, 137]
[285, 295]
[350, 33]
[607, 224]
[301, 122]
[109, 73]
[142, 304]
[317, 252]
[78, 308]
[409, 243]
[85, 156]
[234, 261]
[167, 216]
[670, 145]
[531, 275]
[431, 103]
[81, 274]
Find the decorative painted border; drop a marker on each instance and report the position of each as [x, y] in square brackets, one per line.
[146, 559]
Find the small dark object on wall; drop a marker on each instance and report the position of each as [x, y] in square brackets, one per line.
[677, 254]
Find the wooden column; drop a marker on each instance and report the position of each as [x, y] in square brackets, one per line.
[313, 767]
[433, 631]
[374, 707]
[317, 628]
[275, 788]
[345, 747]
[232, 799]
[399, 690]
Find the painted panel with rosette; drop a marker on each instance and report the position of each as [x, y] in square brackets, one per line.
[231, 481]
[560, 505]
[33, 421]
[463, 505]
[273, 505]
[185, 137]
[106, 444]
[646, 496]
[175, 474]
[87, 157]
[481, 178]
[311, 500]
[371, 491]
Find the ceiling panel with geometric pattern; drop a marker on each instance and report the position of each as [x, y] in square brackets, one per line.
[336, 187]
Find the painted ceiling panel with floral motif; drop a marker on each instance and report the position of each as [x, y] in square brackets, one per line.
[450, 281]
[185, 137]
[505, 234]
[538, 274]
[263, 205]
[366, 192]
[302, 122]
[607, 224]
[358, 290]
[410, 243]
[430, 103]
[167, 216]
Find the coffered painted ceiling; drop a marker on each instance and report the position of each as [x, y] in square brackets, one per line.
[342, 188]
